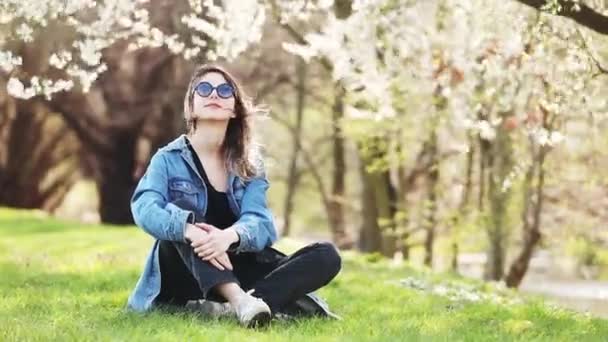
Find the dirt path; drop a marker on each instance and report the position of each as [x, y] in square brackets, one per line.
[580, 295]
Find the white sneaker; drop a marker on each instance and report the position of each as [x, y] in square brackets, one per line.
[251, 311]
[210, 308]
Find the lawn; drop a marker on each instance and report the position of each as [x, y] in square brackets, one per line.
[68, 281]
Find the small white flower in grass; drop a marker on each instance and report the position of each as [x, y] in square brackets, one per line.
[459, 292]
[414, 283]
[470, 296]
[441, 290]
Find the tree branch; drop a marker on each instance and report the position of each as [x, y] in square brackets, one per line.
[586, 16]
[296, 35]
[308, 159]
[601, 69]
[76, 111]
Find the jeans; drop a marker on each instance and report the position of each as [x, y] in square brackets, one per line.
[275, 278]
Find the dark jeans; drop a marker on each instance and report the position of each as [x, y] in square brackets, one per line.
[275, 278]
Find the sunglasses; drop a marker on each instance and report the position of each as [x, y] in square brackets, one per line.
[223, 90]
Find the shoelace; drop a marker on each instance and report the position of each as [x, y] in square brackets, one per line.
[260, 300]
[249, 292]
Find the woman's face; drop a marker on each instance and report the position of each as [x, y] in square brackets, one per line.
[213, 106]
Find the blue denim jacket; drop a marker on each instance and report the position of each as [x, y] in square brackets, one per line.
[172, 176]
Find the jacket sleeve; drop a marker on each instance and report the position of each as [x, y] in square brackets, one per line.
[150, 206]
[255, 226]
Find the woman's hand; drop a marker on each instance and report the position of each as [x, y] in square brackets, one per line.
[196, 234]
[222, 262]
[215, 243]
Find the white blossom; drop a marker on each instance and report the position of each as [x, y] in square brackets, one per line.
[15, 88]
[544, 137]
[37, 86]
[24, 33]
[60, 59]
[8, 61]
[97, 25]
[486, 131]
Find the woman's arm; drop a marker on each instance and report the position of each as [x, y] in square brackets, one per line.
[255, 226]
[151, 209]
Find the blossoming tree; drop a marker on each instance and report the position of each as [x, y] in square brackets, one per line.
[490, 81]
[116, 72]
[503, 80]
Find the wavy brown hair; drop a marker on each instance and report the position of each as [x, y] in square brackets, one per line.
[241, 152]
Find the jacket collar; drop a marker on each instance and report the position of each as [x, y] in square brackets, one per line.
[179, 144]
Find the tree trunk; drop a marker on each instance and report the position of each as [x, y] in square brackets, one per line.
[531, 221]
[292, 176]
[336, 208]
[112, 121]
[36, 170]
[500, 163]
[370, 237]
[430, 217]
[402, 206]
[430, 208]
[531, 214]
[463, 207]
[378, 200]
[138, 97]
[115, 182]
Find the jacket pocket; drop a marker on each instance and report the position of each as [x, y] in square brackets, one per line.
[183, 191]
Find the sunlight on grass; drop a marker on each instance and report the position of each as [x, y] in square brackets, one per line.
[69, 281]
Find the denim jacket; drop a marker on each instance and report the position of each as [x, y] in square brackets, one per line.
[172, 177]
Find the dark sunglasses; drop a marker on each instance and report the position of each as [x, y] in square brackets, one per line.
[223, 90]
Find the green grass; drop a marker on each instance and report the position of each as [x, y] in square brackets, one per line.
[67, 281]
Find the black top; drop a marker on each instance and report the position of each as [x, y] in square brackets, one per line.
[218, 212]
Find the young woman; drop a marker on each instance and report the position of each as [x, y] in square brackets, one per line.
[203, 197]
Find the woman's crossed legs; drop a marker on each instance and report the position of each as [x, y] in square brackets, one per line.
[184, 276]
